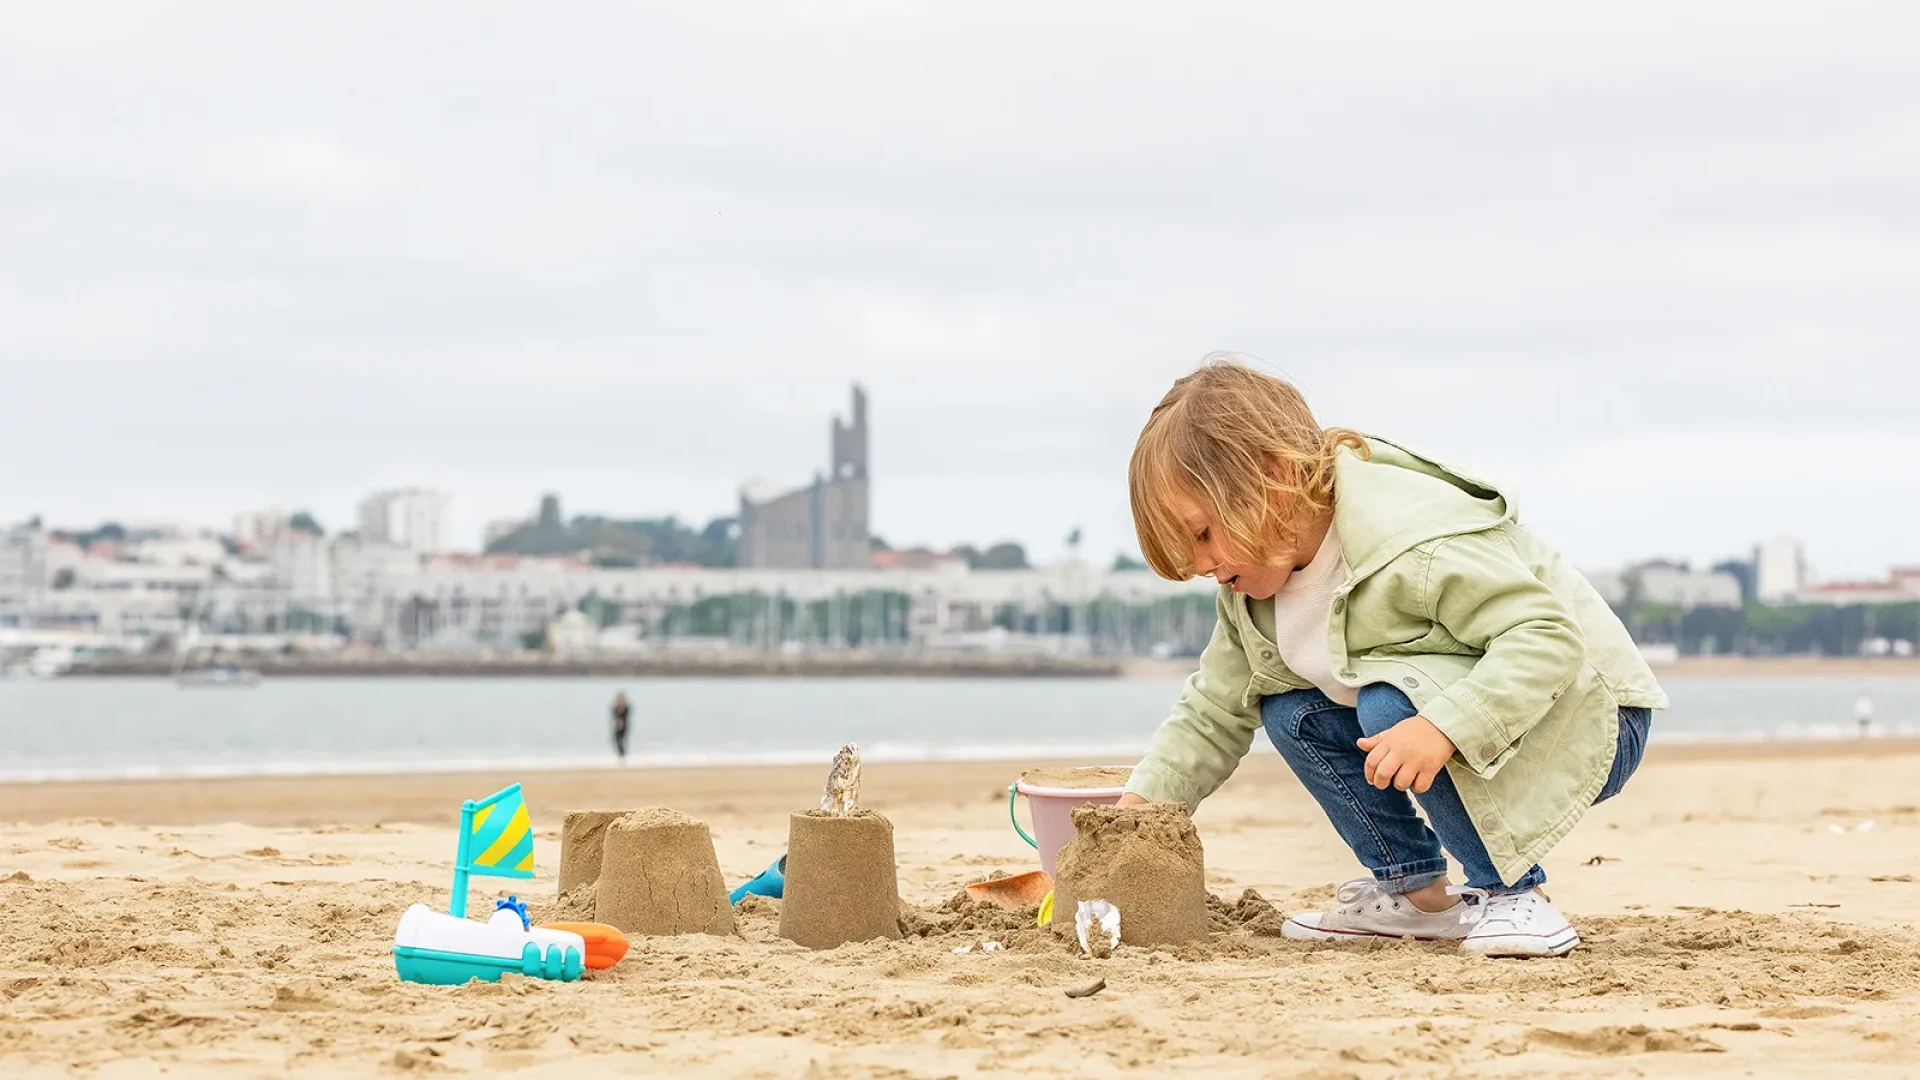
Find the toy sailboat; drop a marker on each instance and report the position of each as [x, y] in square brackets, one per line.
[496, 840]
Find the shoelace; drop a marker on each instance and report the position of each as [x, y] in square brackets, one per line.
[1361, 891]
[1514, 907]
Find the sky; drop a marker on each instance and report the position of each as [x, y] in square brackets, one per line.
[1655, 267]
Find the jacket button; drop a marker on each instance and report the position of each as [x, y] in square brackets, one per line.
[1411, 681]
[1348, 675]
[1487, 750]
[1339, 606]
[1265, 655]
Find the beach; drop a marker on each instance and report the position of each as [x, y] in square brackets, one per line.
[1747, 909]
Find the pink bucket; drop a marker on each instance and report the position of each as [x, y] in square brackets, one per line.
[1052, 810]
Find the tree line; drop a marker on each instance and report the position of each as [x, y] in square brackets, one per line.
[1774, 630]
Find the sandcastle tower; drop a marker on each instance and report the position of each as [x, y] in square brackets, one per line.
[582, 841]
[841, 884]
[659, 876]
[1144, 860]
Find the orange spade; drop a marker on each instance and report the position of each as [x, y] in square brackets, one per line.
[1017, 891]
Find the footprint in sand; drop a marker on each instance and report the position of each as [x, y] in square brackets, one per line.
[1802, 1012]
[1620, 1041]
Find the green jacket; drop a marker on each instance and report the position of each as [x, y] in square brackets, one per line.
[1506, 648]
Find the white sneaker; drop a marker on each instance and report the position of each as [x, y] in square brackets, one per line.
[1367, 910]
[1520, 924]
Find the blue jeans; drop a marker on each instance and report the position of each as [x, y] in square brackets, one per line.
[1318, 738]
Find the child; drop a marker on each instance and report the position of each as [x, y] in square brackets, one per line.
[1395, 629]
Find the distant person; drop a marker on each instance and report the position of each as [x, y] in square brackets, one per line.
[621, 710]
[1397, 632]
[1863, 715]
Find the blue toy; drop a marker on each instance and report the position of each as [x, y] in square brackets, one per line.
[771, 882]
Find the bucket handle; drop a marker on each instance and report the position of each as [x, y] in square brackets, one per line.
[1013, 789]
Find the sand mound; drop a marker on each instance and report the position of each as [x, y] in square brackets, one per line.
[575, 905]
[1253, 914]
[1144, 860]
[964, 916]
[659, 876]
[582, 842]
[841, 883]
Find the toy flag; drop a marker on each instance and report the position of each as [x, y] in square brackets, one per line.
[496, 840]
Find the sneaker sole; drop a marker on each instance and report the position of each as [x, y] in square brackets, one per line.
[1523, 945]
[1299, 931]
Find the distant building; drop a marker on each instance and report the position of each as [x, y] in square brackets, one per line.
[23, 573]
[1668, 584]
[304, 564]
[1779, 570]
[822, 526]
[1742, 571]
[1688, 589]
[259, 530]
[919, 558]
[1850, 593]
[409, 518]
[1901, 586]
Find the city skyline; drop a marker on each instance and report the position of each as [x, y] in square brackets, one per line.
[1654, 271]
[1776, 566]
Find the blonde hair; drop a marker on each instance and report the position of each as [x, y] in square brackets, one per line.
[1241, 443]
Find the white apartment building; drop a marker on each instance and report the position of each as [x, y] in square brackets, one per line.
[23, 573]
[178, 548]
[1779, 570]
[259, 530]
[126, 599]
[364, 575]
[1669, 586]
[1689, 589]
[303, 563]
[412, 518]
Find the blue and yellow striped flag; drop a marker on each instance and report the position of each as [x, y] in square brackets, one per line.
[496, 840]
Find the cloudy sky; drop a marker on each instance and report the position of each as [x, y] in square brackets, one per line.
[1655, 265]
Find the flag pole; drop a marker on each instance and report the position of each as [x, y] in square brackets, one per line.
[457, 907]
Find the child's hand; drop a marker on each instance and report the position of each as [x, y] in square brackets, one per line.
[1130, 799]
[1407, 755]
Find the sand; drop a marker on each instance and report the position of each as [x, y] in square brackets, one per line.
[659, 877]
[1092, 776]
[242, 928]
[583, 837]
[841, 883]
[1146, 861]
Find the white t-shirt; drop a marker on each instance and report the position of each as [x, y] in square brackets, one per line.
[1298, 617]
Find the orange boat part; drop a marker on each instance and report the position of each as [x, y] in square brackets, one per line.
[605, 945]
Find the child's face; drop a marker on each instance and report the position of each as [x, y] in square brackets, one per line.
[1213, 558]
